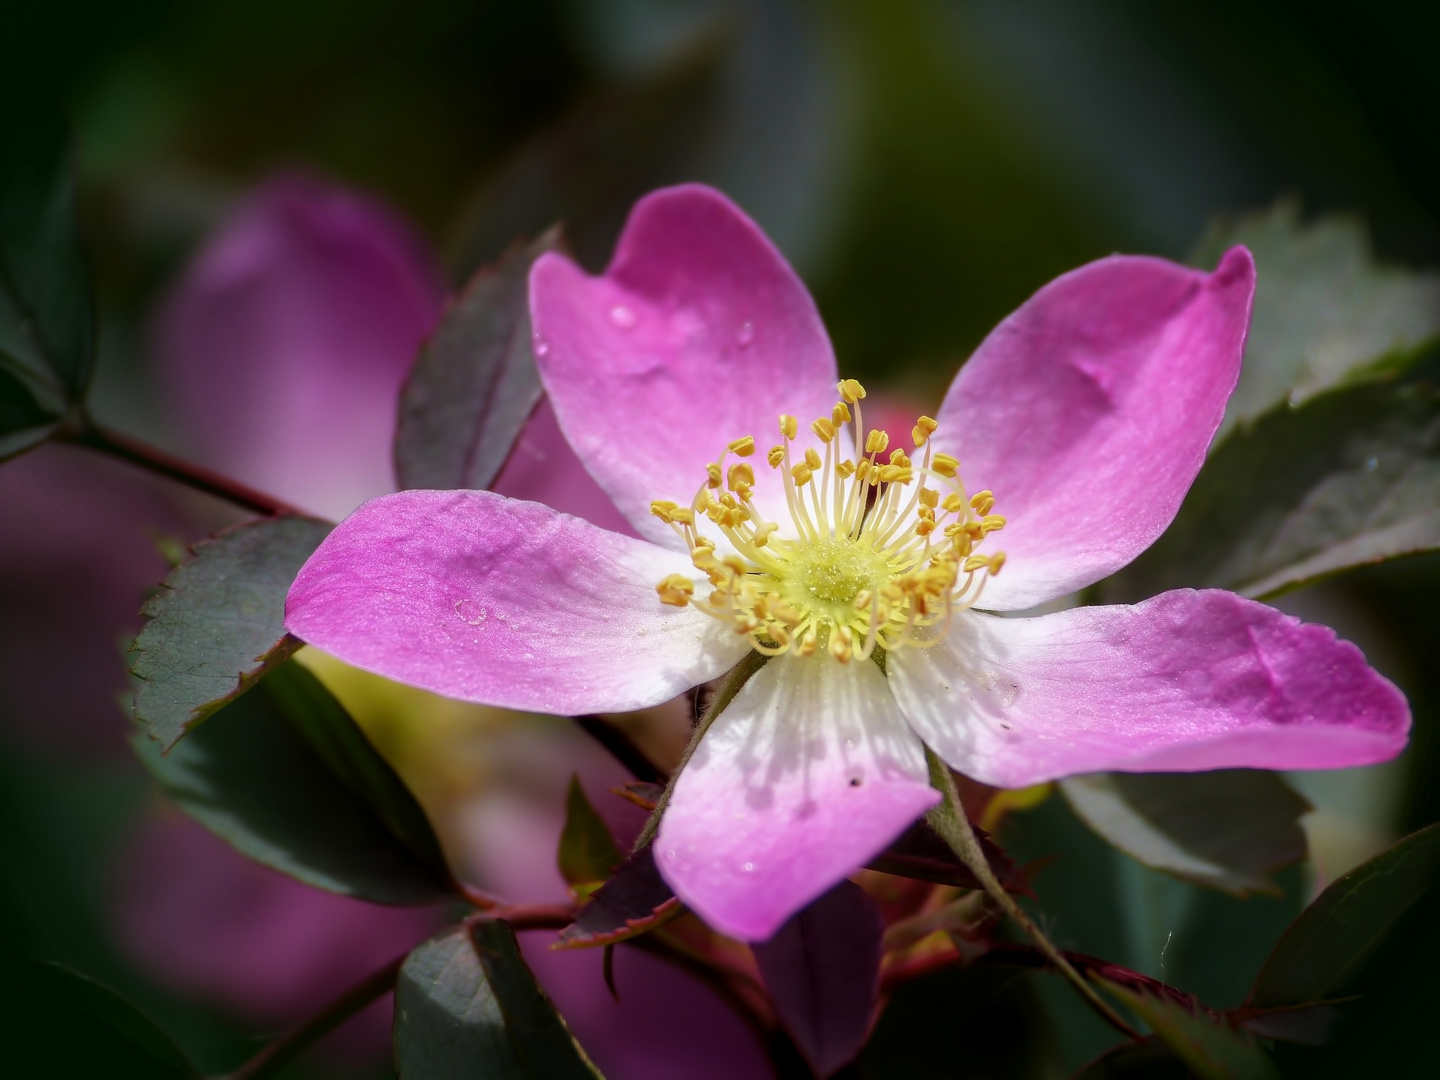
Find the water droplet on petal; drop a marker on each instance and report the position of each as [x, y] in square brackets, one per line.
[542, 347]
[745, 335]
[670, 854]
[849, 744]
[1295, 399]
[1371, 464]
[622, 317]
[748, 867]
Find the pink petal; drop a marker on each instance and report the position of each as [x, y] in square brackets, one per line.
[768, 815]
[506, 603]
[1089, 410]
[543, 468]
[284, 344]
[697, 334]
[1183, 682]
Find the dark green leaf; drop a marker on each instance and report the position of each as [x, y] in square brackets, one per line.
[84, 996]
[55, 1022]
[1147, 1060]
[587, 850]
[1351, 477]
[1226, 829]
[218, 623]
[1325, 312]
[634, 900]
[47, 320]
[1210, 1047]
[1333, 938]
[327, 727]
[253, 776]
[475, 383]
[467, 1006]
[23, 424]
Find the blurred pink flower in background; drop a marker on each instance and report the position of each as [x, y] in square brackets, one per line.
[283, 346]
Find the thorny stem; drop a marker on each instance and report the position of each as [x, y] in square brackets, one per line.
[738, 677]
[949, 820]
[85, 432]
[295, 1042]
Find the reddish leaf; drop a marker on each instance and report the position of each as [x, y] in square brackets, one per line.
[635, 899]
[920, 853]
[822, 969]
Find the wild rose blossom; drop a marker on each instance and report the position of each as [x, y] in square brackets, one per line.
[861, 568]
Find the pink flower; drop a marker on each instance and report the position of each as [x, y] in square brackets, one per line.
[1083, 419]
[284, 345]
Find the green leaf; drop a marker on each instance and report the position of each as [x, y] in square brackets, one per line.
[285, 777]
[587, 852]
[47, 319]
[1227, 829]
[218, 623]
[1210, 1047]
[1332, 939]
[1150, 1059]
[23, 424]
[1325, 311]
[467, 1006]
[1350, 477]
[85, 996]
[474, 383]
[58, 1023]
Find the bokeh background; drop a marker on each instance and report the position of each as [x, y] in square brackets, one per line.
[925, 165]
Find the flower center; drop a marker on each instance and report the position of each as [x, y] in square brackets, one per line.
[880, 550]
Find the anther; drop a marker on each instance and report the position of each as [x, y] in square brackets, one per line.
[788, 425]
[953, 503]
[945, 465]
[801, 473]
[840, 414]
[740, 473]
[712, 474]
[876, 441]
[992, 522]
[663, 508]
[824, 430]
[776, 456]
[850, 390]
[929, 497]
[812, 458]
[676, 590]
[742, 447]
[982, 501]
[923, 429]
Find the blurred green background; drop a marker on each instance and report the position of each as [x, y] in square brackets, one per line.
[925, 165]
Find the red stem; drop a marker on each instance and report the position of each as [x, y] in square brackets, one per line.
[295, 1042]
[92, 435]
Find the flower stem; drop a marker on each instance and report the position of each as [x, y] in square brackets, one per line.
[85, 432]
[949, 820]
[295, 1042]
[738, 677]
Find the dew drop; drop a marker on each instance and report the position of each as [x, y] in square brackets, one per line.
[542, 347]
[471, 613]
[849, 744]
[748, 867]
[745, 335]
[622, 316]
[670, 853]
[1294, 399]
[1371, 464]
